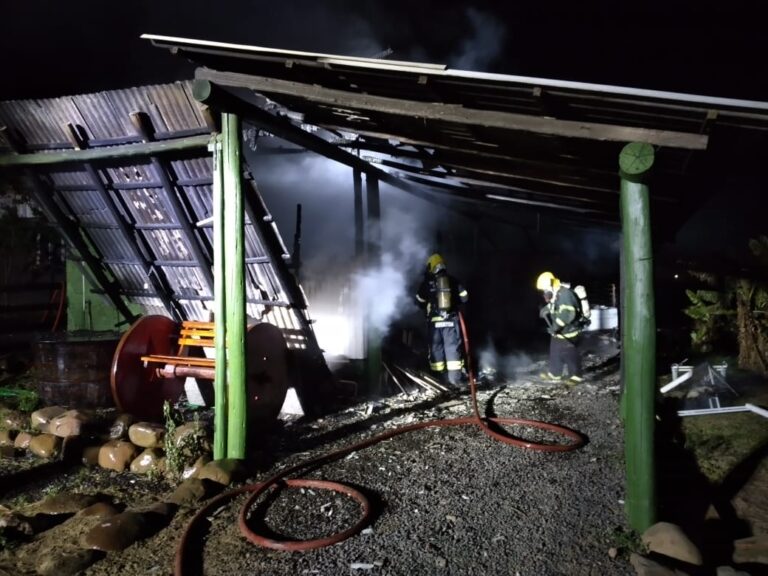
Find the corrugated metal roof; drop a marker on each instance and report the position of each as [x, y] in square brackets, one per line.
[478, 137]
[154, 262]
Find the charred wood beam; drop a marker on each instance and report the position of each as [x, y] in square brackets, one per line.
[502, 180]
[497, 164]
[215, 96]
[454, 113]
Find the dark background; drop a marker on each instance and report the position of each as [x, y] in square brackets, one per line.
[709, 47]
[705, 47]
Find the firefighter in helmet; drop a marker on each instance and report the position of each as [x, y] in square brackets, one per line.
[562, 313]
[440, 295]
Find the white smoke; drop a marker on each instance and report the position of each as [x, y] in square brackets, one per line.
[505, 366]
[484, 45]
[381, 289]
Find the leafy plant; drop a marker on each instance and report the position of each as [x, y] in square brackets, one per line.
[179, 452]
[627, 541]
[173, 464]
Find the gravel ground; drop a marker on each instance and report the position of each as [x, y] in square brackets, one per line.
[447, 501]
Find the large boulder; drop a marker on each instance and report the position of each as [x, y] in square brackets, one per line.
[751, 503]
[147, 461]
[752, 550]
[120, 426]
[69, 423]
[117, 455]
[39, 419]
[146, 434]
[669, 540]
[45, 445]
[116, 533]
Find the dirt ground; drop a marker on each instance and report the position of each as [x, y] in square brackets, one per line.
[445, 500]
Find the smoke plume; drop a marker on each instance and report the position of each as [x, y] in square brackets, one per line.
[479, 51]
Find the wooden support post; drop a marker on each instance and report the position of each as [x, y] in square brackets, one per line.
[358, 188]
[373, 333]
[234, 257]
[220, 308]
[638, 333]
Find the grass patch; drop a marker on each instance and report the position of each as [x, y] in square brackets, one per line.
[720, 442]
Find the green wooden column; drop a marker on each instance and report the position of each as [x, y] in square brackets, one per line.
[219, 315]
[638, 334]
[234, 258]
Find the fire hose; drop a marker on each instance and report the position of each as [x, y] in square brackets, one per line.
[182, 558]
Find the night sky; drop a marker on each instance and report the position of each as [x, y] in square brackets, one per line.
[715, 48]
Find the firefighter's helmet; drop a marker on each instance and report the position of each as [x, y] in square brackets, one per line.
[547, 282]
[435, 263]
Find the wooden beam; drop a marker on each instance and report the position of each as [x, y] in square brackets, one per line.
[456, 114]
[106, 153]
[208, 93]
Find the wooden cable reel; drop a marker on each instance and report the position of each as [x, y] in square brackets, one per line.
[156, 355]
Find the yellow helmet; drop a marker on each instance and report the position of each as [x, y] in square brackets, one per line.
[435, 263]
[547, 281]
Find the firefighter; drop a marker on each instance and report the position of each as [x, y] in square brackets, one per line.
[562, 313]
[440, 295]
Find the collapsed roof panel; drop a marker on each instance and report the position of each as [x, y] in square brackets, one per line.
[141, 221]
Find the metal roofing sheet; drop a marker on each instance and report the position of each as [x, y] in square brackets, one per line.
[151, 257]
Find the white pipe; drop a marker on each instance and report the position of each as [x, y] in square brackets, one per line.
[706, 411]
[676, 382]
[757, 410]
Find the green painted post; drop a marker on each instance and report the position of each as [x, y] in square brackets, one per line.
[219, 317]
[638, 335]
[234, 257]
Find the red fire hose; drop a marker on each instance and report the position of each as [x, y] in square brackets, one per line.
[256, 490]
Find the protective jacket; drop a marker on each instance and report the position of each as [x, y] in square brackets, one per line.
[565, 314]
[433, 302]
[440, 295]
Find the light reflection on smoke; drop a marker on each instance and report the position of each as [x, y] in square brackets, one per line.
[496, 366]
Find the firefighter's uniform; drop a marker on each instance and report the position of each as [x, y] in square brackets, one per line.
[439, 295]
[563, 315]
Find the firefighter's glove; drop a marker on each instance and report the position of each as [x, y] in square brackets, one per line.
[552, 329]
[544, 312]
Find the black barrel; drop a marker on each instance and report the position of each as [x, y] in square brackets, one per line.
[73, 369]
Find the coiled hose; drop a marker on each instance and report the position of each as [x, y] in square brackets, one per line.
[182, 563]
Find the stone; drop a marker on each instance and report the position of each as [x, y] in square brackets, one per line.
[22, 441]
[63, 503]
[14, 420]
[146, 434]
[119, 428]
[221, 471]
[7, 437]
[646, 567]
[146, 461]
[99, 510]
[669, 540]
[66, 562]
[116, 533]
[613, 552]
[116, 455]
[193, 470]
[70, 423]
[14, 521]
[159, 509]
[751, 550]
[45, 445]
[730, 571]
[187, 430]
[191, 491]
[750, 503]
[90, 456]
[39, 419]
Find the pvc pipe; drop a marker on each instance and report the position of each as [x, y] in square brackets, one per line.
[757, 410]
[676, 382]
